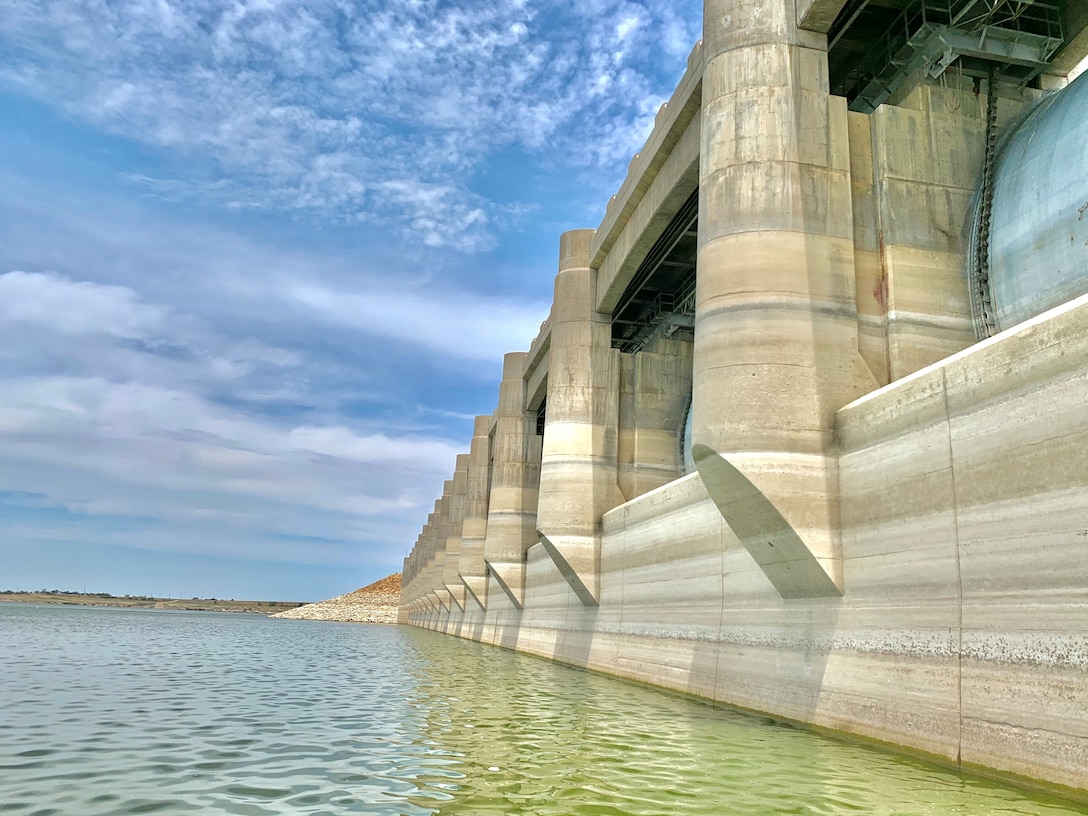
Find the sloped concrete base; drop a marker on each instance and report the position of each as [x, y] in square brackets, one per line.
[790, 564]
[510, 577]
[457, 595]
[477, 589]
[578, 560]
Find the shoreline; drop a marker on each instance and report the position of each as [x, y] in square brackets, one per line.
[177, 604]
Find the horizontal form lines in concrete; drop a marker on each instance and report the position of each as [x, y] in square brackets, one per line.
[885, 534]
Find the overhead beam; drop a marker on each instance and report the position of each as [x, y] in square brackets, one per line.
[818, 15]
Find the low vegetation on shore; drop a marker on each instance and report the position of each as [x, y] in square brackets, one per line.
[56, 596]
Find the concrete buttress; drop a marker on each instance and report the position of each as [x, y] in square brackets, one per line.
[426, 570]
[451, 577]
[473, 568]
[426, 566]
[578, 465]
[440, 527]
[515, 474]
[775, 350]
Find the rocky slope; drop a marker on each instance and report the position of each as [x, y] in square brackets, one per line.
[376, 603]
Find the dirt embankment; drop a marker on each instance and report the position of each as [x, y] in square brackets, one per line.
[376, 603]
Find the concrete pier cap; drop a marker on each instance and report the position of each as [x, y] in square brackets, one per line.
[574, 248]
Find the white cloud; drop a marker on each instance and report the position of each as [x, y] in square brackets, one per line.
[213, 277]
[148, 412]
[450, 324]
[441, 215]
[74, 308]
[352, 110]
[49, 321]
[172, 456]
[627, 24]
[342, 443]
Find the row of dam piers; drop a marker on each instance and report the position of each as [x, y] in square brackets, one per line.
[805, 431]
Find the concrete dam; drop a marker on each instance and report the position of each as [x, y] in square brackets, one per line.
[806, 430]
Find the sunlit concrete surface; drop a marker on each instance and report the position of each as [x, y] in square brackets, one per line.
[758, 453]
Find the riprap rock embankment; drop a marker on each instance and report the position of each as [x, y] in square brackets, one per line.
[376, 603]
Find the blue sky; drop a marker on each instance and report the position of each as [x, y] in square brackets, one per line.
[259, 262]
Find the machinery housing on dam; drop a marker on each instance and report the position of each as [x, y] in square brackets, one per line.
[806, 431]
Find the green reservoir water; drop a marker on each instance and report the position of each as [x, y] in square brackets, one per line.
[106, 711]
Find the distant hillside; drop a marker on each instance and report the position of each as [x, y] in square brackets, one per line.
[376, 603]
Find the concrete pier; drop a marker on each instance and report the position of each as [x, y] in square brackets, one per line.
[578, 464]
[515, 479]
[776, 326]
[472, 567]
[451, 577]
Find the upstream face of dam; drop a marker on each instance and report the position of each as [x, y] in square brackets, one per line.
[806, 430]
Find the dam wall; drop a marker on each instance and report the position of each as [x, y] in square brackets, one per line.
[962, 629]
[781, 443]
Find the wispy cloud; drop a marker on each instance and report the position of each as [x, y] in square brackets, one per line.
[214, 277]
[455, 324]
[128, 421]
[29, 300]
[351, 111]
[248, 402]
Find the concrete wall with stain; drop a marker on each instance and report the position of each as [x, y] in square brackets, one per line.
[887, 530]
[962, 631]
[915, 171]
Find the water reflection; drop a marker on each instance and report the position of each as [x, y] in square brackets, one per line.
[139, 711]
[536, 738]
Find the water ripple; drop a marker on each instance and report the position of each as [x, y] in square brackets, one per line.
[117, 712]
